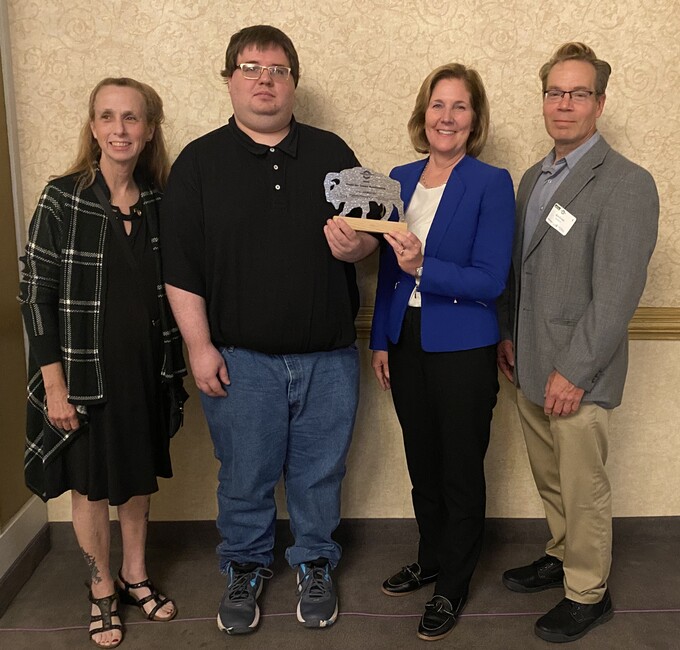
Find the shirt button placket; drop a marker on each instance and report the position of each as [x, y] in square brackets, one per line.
[275, 167]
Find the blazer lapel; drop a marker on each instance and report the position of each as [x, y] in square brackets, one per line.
[572, 186]
[410, 181]
[446, 210]
[523, 193]
[582, 174]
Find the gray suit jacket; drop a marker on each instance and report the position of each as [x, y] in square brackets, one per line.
[571, 297]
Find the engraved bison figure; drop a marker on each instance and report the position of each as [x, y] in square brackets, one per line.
[358, 187]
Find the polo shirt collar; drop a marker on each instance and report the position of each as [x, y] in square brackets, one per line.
[288, 145]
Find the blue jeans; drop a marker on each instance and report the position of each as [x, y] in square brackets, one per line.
[291, 413]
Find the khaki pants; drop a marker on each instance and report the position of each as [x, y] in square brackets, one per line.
[568, 456]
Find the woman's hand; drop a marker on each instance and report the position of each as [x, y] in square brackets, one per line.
[381, 368]
[408, 249]
[60, 412]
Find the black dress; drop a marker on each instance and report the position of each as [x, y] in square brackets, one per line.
[126, 445]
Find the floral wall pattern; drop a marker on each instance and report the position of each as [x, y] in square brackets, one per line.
[362, 64]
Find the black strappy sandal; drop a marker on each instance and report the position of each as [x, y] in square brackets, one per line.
[106, 614]
[130, 599]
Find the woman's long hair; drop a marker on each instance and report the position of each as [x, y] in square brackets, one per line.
[153, 163]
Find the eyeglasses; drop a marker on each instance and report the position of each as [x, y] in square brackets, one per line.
[577, 96]
[254, 71]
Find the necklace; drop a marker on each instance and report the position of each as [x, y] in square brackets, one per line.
[434, 183]
[440, 176]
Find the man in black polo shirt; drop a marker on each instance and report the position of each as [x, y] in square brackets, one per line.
[263, 287]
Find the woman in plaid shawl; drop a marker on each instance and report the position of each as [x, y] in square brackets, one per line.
[103, 345]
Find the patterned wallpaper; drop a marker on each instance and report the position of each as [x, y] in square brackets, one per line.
[362, 63]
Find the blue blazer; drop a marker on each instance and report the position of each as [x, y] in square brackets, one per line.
[467, 258]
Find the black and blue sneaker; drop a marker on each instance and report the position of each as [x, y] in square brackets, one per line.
[239, 613]
[318, 602]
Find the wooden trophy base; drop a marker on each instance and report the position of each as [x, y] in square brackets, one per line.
[374, 225]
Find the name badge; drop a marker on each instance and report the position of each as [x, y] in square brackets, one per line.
[560, 219]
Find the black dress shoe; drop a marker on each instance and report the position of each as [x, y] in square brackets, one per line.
[546, 573]
[440, 617]
[569, 620]
[409, 579]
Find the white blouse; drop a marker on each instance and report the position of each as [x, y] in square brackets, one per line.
[419, 217]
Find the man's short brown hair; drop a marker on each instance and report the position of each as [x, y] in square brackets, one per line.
[261, 37]
[575, 51]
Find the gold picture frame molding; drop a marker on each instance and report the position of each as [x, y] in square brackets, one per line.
[648, 324]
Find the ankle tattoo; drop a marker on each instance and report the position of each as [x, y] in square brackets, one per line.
[92, 565]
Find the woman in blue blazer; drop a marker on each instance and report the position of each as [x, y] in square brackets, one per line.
[435, 331]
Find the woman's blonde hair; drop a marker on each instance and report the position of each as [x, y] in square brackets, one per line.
[153, 162]
[480, 107]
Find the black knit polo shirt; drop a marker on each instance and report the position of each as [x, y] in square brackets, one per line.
[242, 226]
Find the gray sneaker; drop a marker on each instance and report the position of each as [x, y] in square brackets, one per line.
[318, 604]
[239, 613]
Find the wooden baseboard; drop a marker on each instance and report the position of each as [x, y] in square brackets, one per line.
[24, 566]
[648, 323]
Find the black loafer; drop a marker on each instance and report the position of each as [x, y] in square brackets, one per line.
[546, 573]
[440, 617]
[569, 620]
[409, 579]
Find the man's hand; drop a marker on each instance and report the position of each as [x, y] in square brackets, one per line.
[381, 368]
[561, 396]
[207, 364]
[505, 357]
[210, 371]
[346, 244]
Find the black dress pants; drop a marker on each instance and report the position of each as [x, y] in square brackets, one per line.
[444, 402]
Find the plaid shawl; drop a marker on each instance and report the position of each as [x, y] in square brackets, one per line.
[61, 294]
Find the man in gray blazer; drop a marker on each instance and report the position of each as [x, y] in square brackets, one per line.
[586, 227]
